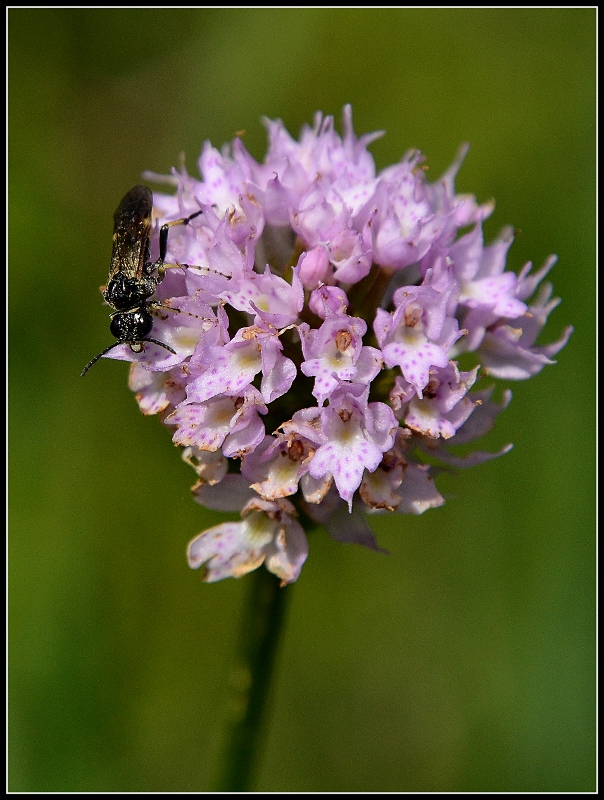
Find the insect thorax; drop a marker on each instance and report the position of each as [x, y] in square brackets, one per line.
[124, 293]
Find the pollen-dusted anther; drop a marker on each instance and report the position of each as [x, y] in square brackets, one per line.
[295, 450]
[343, 340]
[431, 388]
[413, 315]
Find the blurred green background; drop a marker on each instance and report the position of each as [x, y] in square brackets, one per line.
[464, 661]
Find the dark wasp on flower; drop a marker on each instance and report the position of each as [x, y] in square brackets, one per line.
[133, 277]
[314, 374]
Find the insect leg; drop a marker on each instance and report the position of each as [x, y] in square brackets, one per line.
[156, 306]
[163, 234]
[160, 264]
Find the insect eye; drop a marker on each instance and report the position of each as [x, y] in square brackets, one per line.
[117, 326]
[142, 322]
[131, 325]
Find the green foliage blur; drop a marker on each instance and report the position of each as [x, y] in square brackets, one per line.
[463, 661]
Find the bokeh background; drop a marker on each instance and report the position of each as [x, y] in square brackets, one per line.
[464, 661]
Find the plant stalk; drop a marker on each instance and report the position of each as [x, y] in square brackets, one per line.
[250, 681]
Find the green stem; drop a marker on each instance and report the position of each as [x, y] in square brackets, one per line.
[250, 680]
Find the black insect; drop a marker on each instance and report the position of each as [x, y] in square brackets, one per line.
[133, 277]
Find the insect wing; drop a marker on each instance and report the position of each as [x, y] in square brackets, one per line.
[132, 233]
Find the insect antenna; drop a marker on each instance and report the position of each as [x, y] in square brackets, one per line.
[111, 346]
[161, 344]
[96, 358]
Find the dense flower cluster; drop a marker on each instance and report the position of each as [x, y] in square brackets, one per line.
[317, 325]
